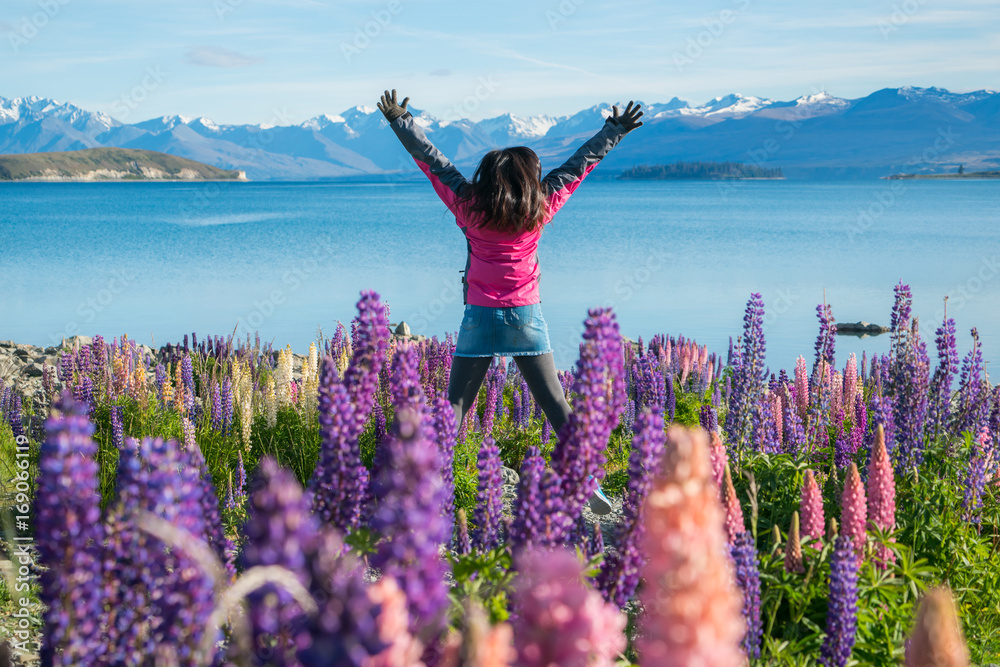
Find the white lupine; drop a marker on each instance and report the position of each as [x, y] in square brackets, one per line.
[283, 377]
[270, 402]
[310, 385]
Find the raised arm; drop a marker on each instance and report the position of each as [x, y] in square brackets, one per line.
[447, 180]
[562, 181]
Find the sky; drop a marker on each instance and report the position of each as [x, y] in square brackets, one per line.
[284, 61]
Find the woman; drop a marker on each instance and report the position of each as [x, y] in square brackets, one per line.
[502, 213]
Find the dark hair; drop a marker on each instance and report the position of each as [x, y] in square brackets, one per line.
[506, 191]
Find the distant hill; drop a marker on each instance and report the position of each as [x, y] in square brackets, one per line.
[947, 177]
[109, 164]
[700, 170]
[815, 136]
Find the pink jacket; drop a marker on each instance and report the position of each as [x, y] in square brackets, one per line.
[502, 269]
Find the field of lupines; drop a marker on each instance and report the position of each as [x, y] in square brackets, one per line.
[226, 513]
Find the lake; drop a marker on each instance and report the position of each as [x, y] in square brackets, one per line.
[158, 260]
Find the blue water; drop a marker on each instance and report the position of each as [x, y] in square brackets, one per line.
[157, 260]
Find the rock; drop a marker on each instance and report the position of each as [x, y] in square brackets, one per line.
[403, 329]
[77, 341]
[33, 370]
[52, 349]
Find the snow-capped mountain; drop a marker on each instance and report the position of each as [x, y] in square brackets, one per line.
[831, 136]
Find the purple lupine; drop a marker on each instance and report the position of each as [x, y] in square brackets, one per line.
[819, 402]
[14, 415]
[67, 366]
[281, 530]
[708, 418]
[241, 477]
[649, 385]
[939, 410]
[82, 392]
[370, 341]
[214, 533]
[547, 430]
[216, 407]
[444, 427]
[747, 566]
[68, 536]
[160, 376]
[975, 477]
[899, 320]
[489, 498]
[410, 497]
[345, 630]
[187, 378]
[910, 384]
[766, 433]
[671, 400]
[381, 428]
[117, 429]
[973, 396]
[540, 519]
[227, 406]
[493, 388]
[748, 374]
[525, 404]
[619, 573]
[794, 436]
[339, 482]
[599, 388]
[842, 612]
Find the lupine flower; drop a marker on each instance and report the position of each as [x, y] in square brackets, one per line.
[748, 374]
[793, 550]
[187, 430]
[801, 388]
[227, 406]
[393, 627]
[854, 511]
[381, 427]
[82, 392]
[811, 508]
[214, 533]
[540, 518]
[939, 409]
[747, 566]
[619, 574]
[444, 426]
[281, 530]
[187, 374]
[842, 613]
[794, 433]
[975, 477]
[708, 418]
[216, 407]
[719, 459]
[937, 639]
[599, 387]
[340, 481]
[910, 381]
[973, 397]
[735, 523]
[881, 497]
[409, 489]
[370, 344]
[489, 500]
[117, 430]
[68, 536]
[692, 605]
[560, 621]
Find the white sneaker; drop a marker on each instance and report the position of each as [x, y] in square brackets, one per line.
[599, 503]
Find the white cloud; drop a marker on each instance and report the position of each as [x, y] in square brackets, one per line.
[213, 56]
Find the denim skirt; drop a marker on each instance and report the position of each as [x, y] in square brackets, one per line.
[506, 332]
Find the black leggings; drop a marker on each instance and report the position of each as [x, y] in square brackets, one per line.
[539, 372]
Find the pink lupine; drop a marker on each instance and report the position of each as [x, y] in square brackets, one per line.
[560, 620]
[850, 389]
[393, 627]
[836, 390]
[692, 605]
[735, 524]
[801, 388]
[720, 459]
[937, 639]
[811, 508]
[881, 497]
[854, 511]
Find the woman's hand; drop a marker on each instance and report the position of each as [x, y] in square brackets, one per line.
[390, 109]
[630, 119]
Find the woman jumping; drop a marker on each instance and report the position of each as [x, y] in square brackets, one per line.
[502, 213]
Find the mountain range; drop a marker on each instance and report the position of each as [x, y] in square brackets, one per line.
[907, 129]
